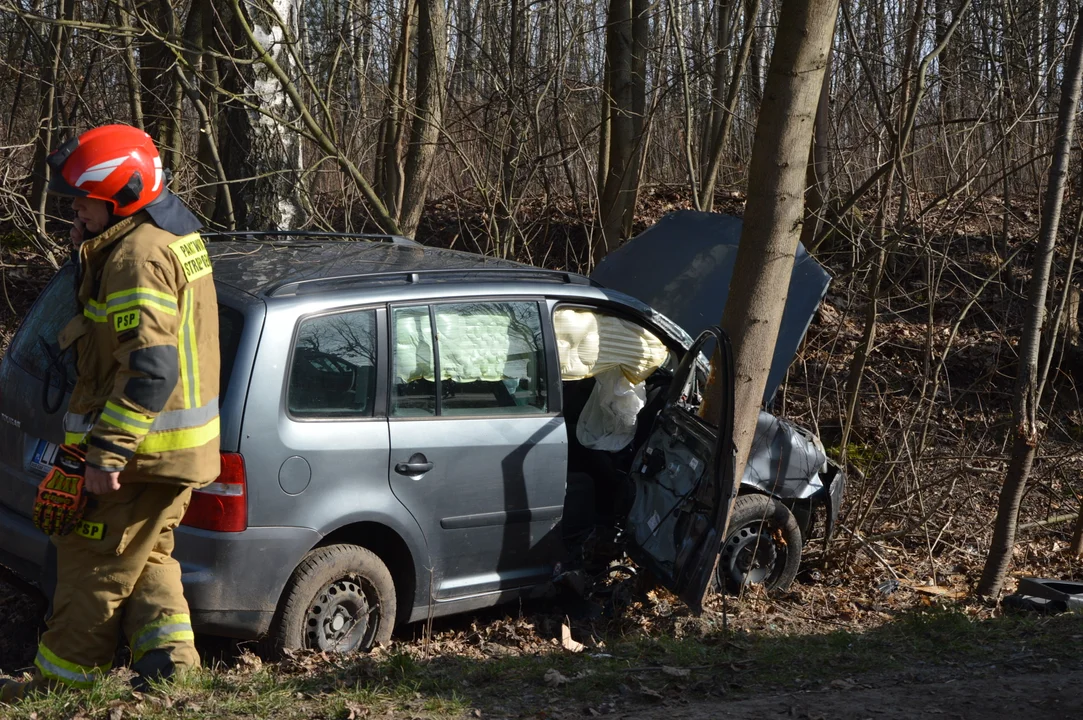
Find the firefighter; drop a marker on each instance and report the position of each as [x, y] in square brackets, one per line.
[141, 430]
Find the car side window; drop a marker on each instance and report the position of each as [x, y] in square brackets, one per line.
[334, 366]
[487, 358]
[492, 358]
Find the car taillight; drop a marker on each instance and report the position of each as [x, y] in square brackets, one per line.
[223, 505]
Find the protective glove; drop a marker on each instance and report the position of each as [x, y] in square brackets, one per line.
[61, 498]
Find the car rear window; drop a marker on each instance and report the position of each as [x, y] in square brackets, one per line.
[230, 325]
[58, 303]
[55, 306]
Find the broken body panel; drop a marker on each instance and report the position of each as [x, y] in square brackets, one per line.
[682, 480]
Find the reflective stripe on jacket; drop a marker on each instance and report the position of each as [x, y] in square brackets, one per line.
[146, 398]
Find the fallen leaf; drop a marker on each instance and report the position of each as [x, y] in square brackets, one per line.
[676, 671]
[940, 591]
[250, 659]
[554, 678]
[566, 640]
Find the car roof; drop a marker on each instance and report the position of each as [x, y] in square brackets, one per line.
[322, 263]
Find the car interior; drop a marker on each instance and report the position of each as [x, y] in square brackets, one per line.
[614, 376]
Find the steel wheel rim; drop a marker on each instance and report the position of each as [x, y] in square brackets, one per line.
[751, 556]
[343, 617]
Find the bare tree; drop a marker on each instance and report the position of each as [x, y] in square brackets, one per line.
[428, 113]
[775, 208]
[624, 110]
[1027, 399]
[47, 121]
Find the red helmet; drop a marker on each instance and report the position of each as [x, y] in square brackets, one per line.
[115, 163]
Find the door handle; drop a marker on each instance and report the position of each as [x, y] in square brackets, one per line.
[418, 464]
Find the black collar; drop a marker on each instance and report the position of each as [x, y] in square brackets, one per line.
[170, 214]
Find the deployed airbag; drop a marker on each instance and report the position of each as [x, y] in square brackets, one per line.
[590, 343]
[620, 355]
[483, 346]
[608, 420]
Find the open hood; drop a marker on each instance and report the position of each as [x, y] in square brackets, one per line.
[682, 267]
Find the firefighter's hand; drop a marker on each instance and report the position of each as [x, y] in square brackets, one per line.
[100, 482]
[78, 233]
[61, 500]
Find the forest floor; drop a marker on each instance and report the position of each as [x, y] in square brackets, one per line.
[883, 626]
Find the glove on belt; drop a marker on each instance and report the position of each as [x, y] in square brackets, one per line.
[61, 499]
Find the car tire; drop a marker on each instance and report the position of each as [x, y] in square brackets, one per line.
[762, 546]
[340, 599]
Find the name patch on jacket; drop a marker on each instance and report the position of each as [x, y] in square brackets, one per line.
[126, 320]
[193, 257]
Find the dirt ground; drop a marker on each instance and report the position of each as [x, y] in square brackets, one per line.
[1029, 670]
[1025, 695]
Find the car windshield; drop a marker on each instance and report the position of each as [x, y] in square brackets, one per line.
[34, 345]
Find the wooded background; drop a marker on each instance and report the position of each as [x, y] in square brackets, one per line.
[347, 114]
[549, 131]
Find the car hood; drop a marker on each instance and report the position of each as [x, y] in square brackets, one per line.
[682, 267]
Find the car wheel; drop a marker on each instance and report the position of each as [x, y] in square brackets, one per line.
[340, 599]
[762, 547]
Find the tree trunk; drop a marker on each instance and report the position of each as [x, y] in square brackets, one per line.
[727, 113]
[819, 162]
[131, 66]
[58, 38]
[724, 14]
[274, 193]
[1027, 393]
[775, 207]
[1076, 547]
[389, 170]
[159, 92]
[626, 60]
[510, 144]
[431, 91]
[758, 18]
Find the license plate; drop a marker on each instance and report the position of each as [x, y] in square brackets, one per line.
[43, 457]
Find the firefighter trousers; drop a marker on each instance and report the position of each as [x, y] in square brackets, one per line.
[116, 574]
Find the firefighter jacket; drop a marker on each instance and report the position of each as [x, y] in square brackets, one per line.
[146, 396]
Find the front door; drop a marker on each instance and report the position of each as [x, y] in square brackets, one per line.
[477, 454]
[683, 478]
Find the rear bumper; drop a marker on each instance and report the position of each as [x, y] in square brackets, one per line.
[232, 581]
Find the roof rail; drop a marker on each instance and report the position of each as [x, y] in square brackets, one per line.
[258, 235]
[297, 287]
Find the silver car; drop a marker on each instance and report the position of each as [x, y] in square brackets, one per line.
[403, 430]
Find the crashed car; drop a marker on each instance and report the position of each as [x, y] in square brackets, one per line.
[409, 432]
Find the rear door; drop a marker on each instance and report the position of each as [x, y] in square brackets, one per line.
[683, 479]
[478, 453]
